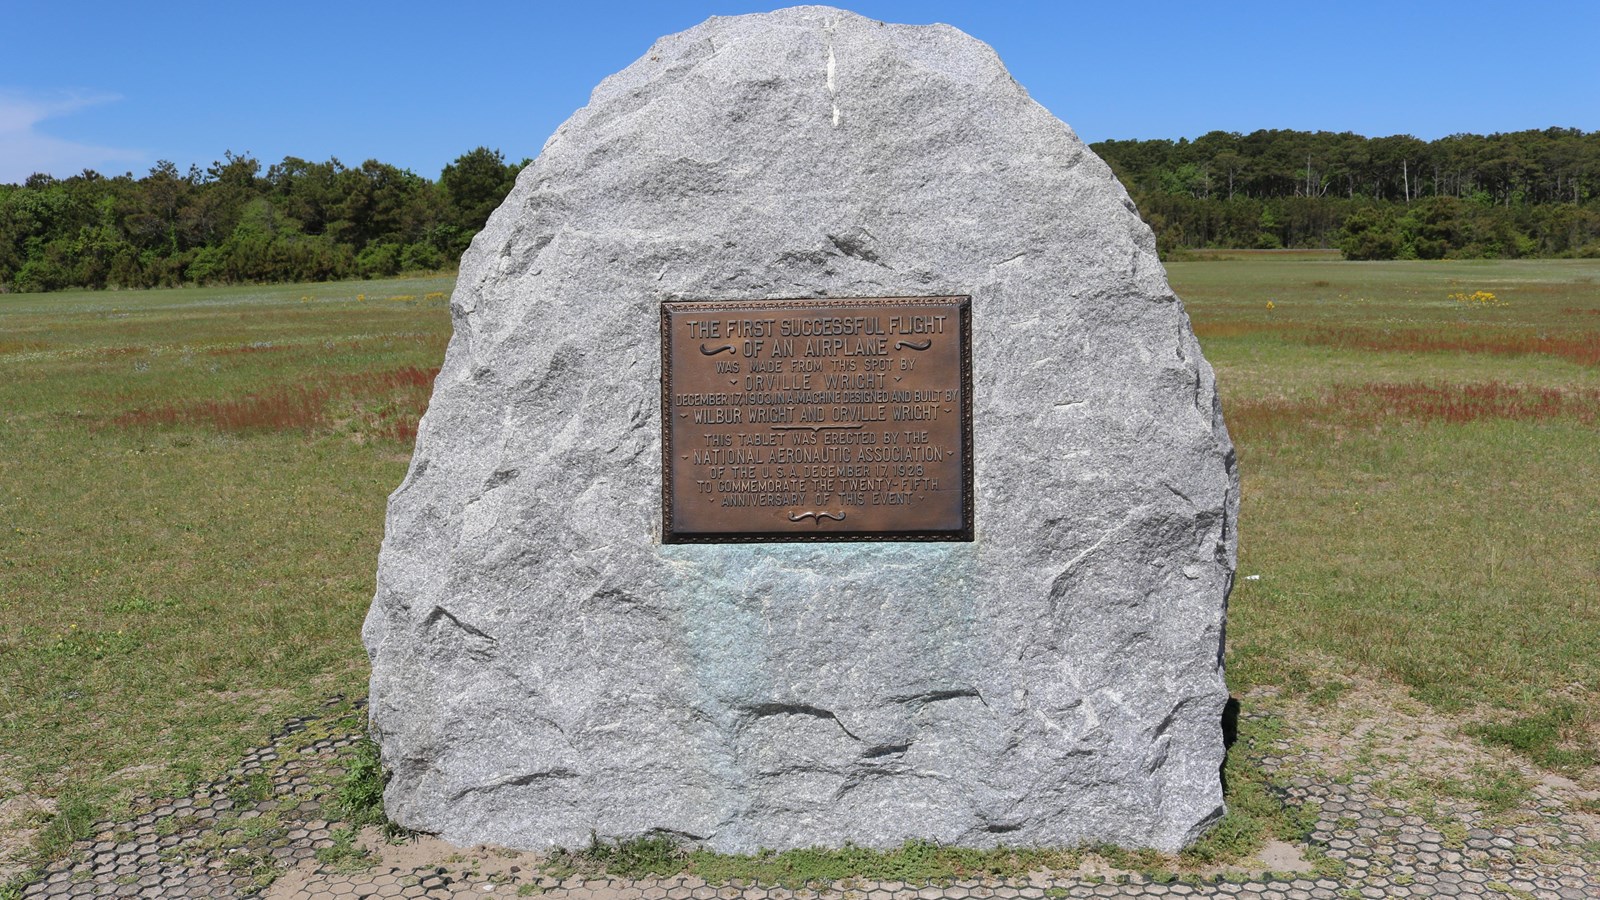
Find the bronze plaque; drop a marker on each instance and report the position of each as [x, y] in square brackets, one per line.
[817, 420]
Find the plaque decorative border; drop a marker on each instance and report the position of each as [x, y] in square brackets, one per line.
[715, 347]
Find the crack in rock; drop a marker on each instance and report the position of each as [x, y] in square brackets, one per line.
[764, 710]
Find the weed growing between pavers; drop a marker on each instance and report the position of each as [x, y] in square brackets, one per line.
[343, 855]
[250, 788]
[358, 799]
[360, 796]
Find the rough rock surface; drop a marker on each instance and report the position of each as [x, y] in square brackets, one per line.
[545, 668]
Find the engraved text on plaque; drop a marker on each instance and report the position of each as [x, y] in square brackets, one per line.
[808, 420]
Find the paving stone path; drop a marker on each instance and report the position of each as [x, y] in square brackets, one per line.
[265, 830]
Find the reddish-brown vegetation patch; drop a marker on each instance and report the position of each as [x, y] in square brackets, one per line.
[379, 404]
[1581, 347]
[1579, 311]
[1238, 329]
[1366, 405]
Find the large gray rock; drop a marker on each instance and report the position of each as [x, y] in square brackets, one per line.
[545, 668]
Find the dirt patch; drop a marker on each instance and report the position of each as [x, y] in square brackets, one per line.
[1378, 731]
[1278, 856]
[138, 772]
[481, 867]
[21, 816]
[427, 850]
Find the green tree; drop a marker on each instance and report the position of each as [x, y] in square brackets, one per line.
[475, 184]
[1370, 234]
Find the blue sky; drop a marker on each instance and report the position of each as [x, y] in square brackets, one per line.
[116, 86]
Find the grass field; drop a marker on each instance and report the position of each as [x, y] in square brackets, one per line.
[191, 493]
[192, 486]
[1421, 482]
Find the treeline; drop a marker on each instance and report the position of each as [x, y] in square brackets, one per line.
[1525, 193]
[235, 222]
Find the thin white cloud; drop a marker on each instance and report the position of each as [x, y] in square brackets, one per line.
[24, 150]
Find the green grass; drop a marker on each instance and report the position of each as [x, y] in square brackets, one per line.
[192, 485]
[917, 862]
[1548, 737]
[170, 593]
[359, 799]
[1426, 514]
[1256, 811]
